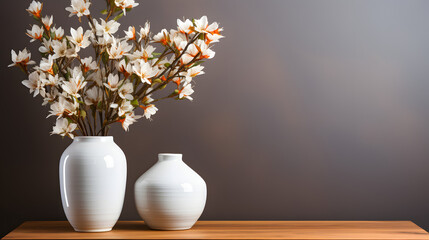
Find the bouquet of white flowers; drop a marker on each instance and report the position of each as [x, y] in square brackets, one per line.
[88, 94]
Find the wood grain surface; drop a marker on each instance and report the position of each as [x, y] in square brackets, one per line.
[232, 230]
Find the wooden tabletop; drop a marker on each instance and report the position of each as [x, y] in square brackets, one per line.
[233, 230]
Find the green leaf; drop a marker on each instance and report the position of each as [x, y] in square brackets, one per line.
[104, 12]
[45, 36]
[173, 93]
[55, 66]
[135, 103]
[105, 57]
[196, 64]
[176, 91]
[167, 64]
[201, 36]
[156, 53]
[79, 101]
[119, 16]
[83, 113]
[157, 80]
[67, 75]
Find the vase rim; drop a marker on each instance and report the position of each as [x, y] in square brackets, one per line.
[93, 138]
[169, 156]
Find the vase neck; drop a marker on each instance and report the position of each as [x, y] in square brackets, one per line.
[93, 139]
[169, 157]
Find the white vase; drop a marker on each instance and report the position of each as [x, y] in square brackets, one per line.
[93, 173]
[170, 195]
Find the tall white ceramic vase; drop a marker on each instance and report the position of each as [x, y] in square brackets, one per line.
[170, 195]
[93, 172]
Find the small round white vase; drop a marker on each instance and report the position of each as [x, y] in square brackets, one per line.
[170, 195]
[93, 173]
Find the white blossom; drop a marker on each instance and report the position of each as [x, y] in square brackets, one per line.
[148, 99]
[191, 52]
[162, 37]
[79, 8]
[64, 128]
[88, 64]
[202, 26]
[22, 58]
[143, 54]
[71, 52]
[192, 72]
[102, 42]
[162, 64]
[125, 68]
[212, 38]
[149, 110]
[58, 33]
[47, 22]
[144, 31]
[106, 29]
[34, 83]
[128, 119]
[148, 52]
[118, 49]
[131, 33]
[113, 82]
[46, 65]
[52, 80]
[125, 4]
[61, 50]
[63, 107]
[80, 39]
[126, 90]
[145, 71]
[186, 91]
[35, 8]
[93, 96]
[206, 52]
[50, 97]
[177, 81]
[75, 84]
[35, 33]
[124, 108]
[178, 40]
[97, 76]
[46, 46]
[185, 27]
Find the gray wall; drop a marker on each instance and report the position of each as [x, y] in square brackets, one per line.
[310, 110]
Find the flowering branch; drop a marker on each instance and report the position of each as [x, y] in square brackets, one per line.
[88, 94]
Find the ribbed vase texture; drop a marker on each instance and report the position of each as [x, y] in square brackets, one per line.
[93, 172]
[170, 195]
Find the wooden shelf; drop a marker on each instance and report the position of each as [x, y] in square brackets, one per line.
[233, 230]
